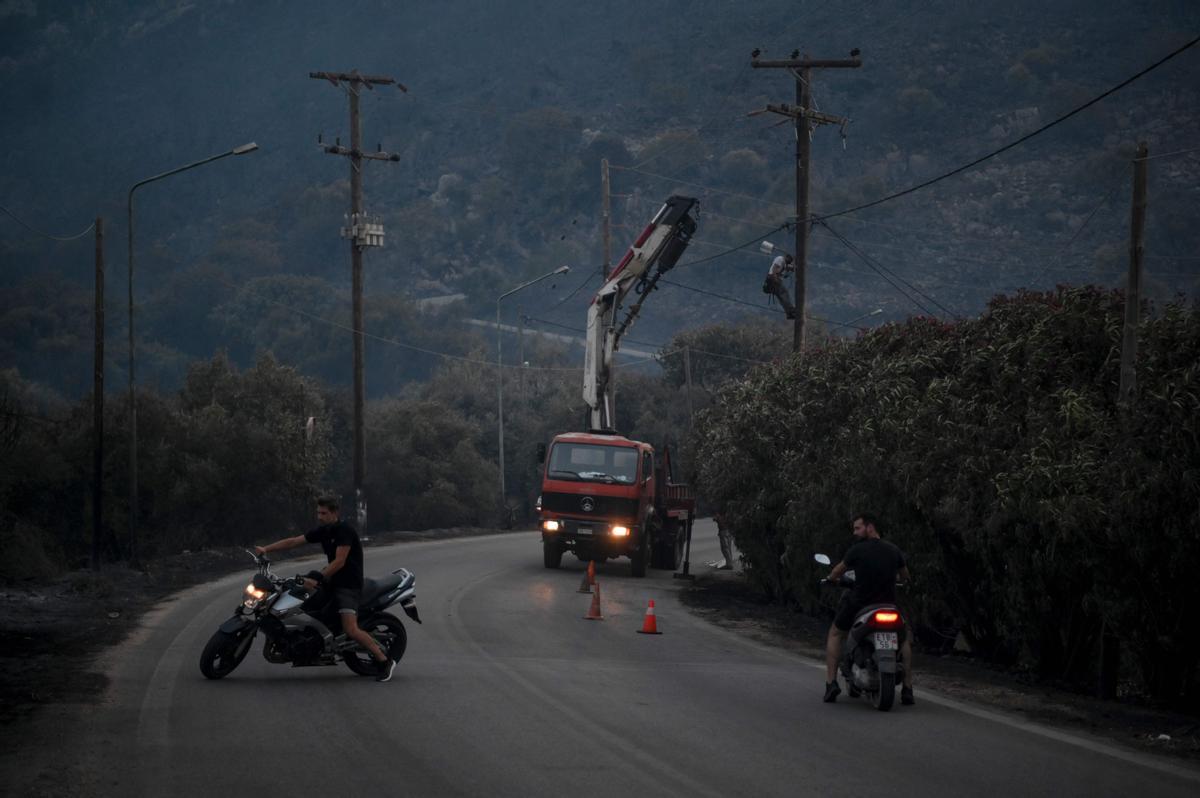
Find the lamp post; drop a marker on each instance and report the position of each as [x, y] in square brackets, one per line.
[133, 469]
[500, 369]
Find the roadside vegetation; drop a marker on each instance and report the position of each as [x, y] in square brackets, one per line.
[1036, 513]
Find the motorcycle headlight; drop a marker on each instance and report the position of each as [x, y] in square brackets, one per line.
[253, 596]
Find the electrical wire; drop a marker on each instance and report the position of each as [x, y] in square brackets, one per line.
[1017, 142]
[883, 272]
[33, 229]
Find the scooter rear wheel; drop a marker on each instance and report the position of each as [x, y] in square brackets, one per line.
[886, 695]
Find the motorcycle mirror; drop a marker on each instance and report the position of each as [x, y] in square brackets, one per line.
[822, 558]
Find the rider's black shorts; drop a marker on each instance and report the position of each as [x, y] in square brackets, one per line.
[847, 611]
[346, 600]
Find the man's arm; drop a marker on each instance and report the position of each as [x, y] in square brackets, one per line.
[282, 544]
[339, 559]
[836, 574]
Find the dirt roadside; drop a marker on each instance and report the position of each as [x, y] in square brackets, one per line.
[724, 598]
[52, 635]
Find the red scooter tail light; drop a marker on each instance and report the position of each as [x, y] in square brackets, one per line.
[883, 617]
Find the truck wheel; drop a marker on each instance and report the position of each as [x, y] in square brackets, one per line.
[551, 554]
[637, 559]
[669, 549]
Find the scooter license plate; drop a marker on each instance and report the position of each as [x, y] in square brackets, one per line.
[887, 641]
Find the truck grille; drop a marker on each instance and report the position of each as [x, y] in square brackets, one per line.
[601, 506]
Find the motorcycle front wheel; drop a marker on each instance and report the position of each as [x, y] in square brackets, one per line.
[389, 633]
[224, 652]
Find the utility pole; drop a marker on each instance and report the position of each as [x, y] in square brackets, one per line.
[606, 216]
[1133, 285]
[805, 117]
[687, 375]
[1110, 644]
[98, 404]
[362, 232]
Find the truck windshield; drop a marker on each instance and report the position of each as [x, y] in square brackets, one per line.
[592, 463]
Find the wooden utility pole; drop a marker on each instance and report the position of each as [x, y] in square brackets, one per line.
[606, 216]
[687, 375]
[1110, 644]
[1133, 284]
[98, 404]
[363, 233]
[805, 117]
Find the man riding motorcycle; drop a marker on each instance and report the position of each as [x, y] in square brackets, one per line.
[876, 564]
[342, 577]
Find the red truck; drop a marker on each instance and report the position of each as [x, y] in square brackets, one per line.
[604, 495]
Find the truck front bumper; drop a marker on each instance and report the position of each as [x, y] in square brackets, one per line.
[592, 538]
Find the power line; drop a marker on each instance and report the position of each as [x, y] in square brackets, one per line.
[755, 240]
[1168, 154]
[591, 275]
[884, 273]
[1019, 141]
[33, 229]
[727, 298]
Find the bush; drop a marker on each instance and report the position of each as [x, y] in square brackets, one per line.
[1032, 508]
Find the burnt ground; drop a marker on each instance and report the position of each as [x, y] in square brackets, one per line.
[51, 636]
[725, 598]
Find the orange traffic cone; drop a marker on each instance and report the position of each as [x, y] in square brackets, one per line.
[589, 578]
[593, 613]
[650, 624]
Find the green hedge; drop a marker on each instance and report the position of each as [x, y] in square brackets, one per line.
[1031, 507]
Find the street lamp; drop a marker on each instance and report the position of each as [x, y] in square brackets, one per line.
[500, 371]
[133, 469]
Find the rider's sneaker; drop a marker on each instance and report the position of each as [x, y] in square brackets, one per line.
[832, 691]
[906, 696]
[385, 670]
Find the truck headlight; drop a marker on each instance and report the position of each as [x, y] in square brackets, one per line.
[620, 531]
[550, 526]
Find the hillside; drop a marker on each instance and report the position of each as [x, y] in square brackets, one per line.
[509, 110]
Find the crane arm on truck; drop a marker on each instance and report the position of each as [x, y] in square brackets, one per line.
[653, 254]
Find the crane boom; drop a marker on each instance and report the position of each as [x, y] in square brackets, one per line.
[653, 254]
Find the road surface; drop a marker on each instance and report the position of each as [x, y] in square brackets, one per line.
[507, 690]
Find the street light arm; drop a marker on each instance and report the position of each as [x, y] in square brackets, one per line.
[242, 150]
[559, 270]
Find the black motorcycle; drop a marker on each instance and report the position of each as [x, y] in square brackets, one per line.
[303, 628]
[872, 662]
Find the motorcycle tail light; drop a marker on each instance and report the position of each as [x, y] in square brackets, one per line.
[884, 617]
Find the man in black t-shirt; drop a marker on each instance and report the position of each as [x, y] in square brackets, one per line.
[343, 576]
[876, 564]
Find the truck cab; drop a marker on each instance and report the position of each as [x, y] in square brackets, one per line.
[604, 496]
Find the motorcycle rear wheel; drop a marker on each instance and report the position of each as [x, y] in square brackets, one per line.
[391, 636]
[886, 694]
[223, 653]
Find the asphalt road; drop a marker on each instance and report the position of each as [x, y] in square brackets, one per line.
[507, 690]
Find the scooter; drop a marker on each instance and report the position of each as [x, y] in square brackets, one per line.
[871, 658]
[303, 628]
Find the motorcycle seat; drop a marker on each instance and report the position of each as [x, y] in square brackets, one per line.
[374, 588]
